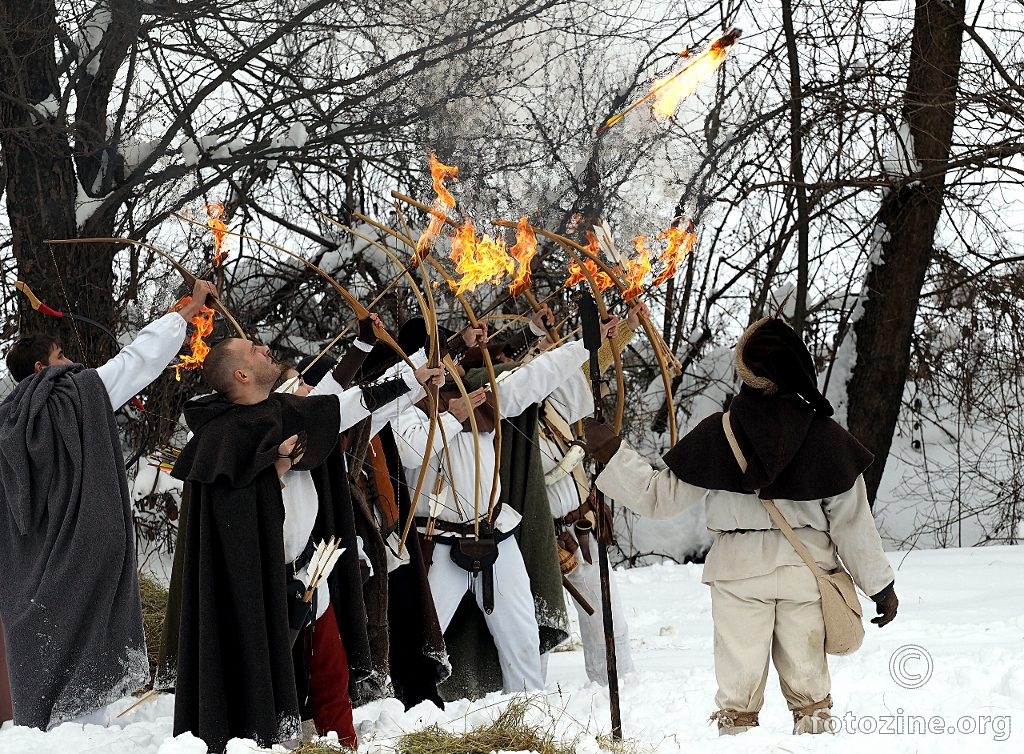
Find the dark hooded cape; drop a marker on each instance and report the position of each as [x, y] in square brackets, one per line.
[343, 583]
[6, 710]
[69, 590]
[793, 452]
[405, 637]
[474, 658]
[235, 676]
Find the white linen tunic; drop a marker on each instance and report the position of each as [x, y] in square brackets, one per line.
[522, 388]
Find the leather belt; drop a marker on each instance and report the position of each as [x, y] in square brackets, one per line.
[302, 561]
[460, 530]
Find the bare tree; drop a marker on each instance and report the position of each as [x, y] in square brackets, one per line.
[118, 113]
[907, 220]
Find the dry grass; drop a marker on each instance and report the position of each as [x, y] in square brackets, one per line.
[320, 747]
[623, 746]
[154, 603]
[509, 732]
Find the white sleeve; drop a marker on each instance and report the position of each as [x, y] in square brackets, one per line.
[352, 405]
[144, 359]
[350, 401]
[411, 428]
[390, 411]
[574, 398]
[634, 483]
[534, 382]
[852, 527]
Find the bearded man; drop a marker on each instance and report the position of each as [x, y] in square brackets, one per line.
[235, 676]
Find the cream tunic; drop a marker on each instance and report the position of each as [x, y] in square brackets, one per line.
[746, 542]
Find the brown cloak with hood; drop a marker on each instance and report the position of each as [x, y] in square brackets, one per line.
[782, 422]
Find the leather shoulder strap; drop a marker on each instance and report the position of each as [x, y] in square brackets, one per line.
[554, 426]
[773, 511]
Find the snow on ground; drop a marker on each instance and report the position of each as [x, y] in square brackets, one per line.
[951, 659]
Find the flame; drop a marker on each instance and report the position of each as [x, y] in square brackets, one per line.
[523, 252]
[203, 323]
[681, 241]
[480, 260]
[439, 173]
[427, 238]
[215, 210]
[576, 275]
[637, 269]
[670, 91]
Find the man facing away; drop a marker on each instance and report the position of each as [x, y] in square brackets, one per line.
[69, 593]
[765, 601]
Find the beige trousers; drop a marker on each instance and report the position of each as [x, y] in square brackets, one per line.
[778, 614]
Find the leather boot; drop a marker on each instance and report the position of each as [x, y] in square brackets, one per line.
[814, 718]
[732, 722]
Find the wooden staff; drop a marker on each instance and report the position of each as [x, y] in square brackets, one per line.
[592, 340]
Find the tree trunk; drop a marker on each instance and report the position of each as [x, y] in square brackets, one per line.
[42, 190]
[907, 218]
[796, 166]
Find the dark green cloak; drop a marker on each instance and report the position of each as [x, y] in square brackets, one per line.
[474, 658]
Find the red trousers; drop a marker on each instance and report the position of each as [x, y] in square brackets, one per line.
[329, 701]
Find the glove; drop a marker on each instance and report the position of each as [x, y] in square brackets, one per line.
[885, 605]
[602, 442]
[366, 333]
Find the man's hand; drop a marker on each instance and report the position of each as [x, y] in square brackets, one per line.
[886, 604]
[202, 290]
[635, 313]
[458, 407]
[602, 442]
[430, 375]
[610, 328]
[290, 452]
[368, 329]
[475, 336]
[541, 320]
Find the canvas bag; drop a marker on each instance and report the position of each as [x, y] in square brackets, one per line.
[840, 607]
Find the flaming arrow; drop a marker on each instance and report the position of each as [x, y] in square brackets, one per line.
[354, 303]
[673, 88]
